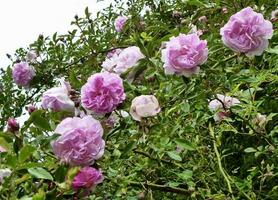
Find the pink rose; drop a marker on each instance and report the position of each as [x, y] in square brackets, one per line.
[23, 74]
[87, 178]
[122, 60]
[80, 142]
[144, 106]
[184, 54]
[247, 32]
[102, 93]
[57, 98]
[220, 106]
[119, 23]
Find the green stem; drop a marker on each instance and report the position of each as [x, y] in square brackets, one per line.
[219, 160]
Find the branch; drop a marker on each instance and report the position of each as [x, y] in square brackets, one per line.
[93, 54]
[156, 159]
[163, 188]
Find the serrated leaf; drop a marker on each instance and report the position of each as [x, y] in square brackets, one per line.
[25, 152]
[185, 144]
[174, 155]
[40, 173]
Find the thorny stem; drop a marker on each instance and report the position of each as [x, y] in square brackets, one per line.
[219, 161]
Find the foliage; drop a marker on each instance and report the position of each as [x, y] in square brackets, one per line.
[232, 159]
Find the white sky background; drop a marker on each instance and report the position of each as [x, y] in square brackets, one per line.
[21, 21]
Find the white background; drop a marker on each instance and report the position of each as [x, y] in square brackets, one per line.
[21, 21]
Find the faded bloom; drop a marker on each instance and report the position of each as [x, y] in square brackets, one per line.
[119, 23]
[144, 106]
[57, 98]
[31, 56]
[247, 32]
[203, 19]
[80, 142]
[220, 106]
[13, 125]
[224, 10]
[102, 93]
[2, 149]
[184, 54]
[122, 60]
[87, 178]
[23, 74]
[260, 121]
[4, 173]
[115, 117]
[274, 15]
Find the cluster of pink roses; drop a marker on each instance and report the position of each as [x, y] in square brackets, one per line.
[81, 143]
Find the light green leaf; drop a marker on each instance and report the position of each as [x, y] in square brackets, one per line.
[40, 173]
[174, 155]
[185, 175]
[250, 150]
[25, 152]
[185, 144]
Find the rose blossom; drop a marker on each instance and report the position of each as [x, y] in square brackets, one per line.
[80, 142]
[23, 74]
[247, 32]
[119, 23]
[216, 105]
[13, 125]
[102, 93]
[87, 178]
[4, 173]
[184, 54]
[144, 106]
[57, 98]
[122, 60]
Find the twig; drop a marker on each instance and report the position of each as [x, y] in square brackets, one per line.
[164, 188]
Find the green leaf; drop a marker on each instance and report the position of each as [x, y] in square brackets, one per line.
[274, 50]
[128, 148]
[250, 150]
[174, 155]
[185, 144]
[4, 144]
[25, 152]
[40, 121]
[39, 196]
[40, 173]
[185, 175]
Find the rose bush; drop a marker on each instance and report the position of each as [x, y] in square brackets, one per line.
[133, 130]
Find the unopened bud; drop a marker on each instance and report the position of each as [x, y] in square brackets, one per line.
[13, 126]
